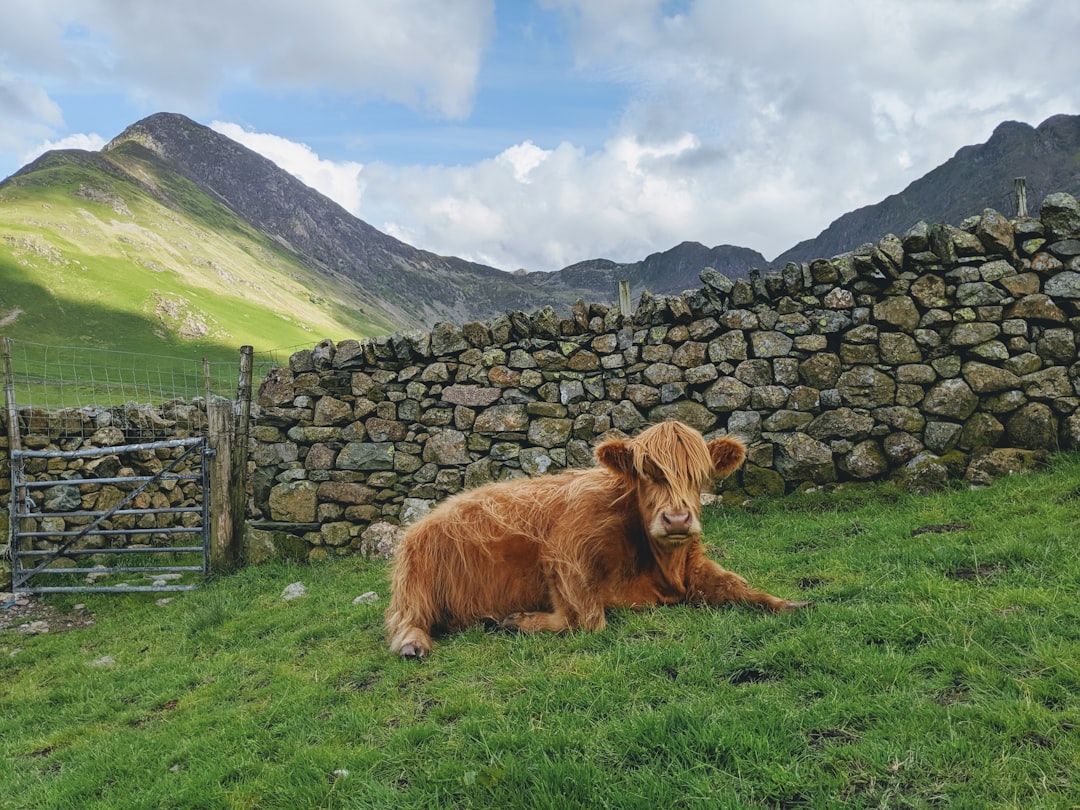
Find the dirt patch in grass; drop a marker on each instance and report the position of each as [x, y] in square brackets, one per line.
[982, 571]
[29, 615]
[940, 528]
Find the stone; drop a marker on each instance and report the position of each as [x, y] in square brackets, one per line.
[447, 339]
[294, 502]
[716, 281]
[1033, 427]
[898, 311]
[294, 590]
[1036, 307]
[728, 346]
[660, 373]
[995, 232]
[841, 422]
[770, 344]
[901, 447]
[820, 371]
[978, 293]
[972, 334]
[1063, 285]
[1049, 383]
[727, 394]
[989, 465]
[951, 398]
[981, 430]
[786, 420]
[1057, 346]
[923, 475]
[346, 492]
[626, 417]
[446, 448]
[898, 348]
[987, 379]
[761, 481]
[473, 396]
[61, 499]
[1060, 215]
[502, 419]
[866, 460]
[693, 414]
[1021, 284]
[802, 458]
[366, 456]
[379, 540]
[550, 432]
[535, 461]
[755, 372]
[864, 386]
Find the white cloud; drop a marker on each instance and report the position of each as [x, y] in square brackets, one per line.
[187, 53]
[91, 143]
[186, 56]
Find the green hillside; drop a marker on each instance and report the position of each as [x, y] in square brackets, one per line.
[119, 253]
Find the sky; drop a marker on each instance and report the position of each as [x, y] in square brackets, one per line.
[538, 133]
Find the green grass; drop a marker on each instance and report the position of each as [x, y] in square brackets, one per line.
[937, 669]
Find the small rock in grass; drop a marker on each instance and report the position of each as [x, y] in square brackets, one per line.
[366, 598]
[104, 661]
[34, 628]
[294, 591]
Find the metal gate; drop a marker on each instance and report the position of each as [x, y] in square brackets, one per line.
[40, 552]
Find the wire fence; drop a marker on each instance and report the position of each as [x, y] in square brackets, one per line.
[63, 393]
[54, 378]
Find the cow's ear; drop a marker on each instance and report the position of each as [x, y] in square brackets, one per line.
[727, 455]
[617, 456]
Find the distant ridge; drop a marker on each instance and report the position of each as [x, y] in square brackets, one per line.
[976, 177]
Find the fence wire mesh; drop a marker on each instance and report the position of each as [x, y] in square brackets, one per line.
[71, 391]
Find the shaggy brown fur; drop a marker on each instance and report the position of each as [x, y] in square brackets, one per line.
[552, 553]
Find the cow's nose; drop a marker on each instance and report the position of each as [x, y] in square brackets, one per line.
[676, 522]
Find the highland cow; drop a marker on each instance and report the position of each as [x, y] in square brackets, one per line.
[555, 552]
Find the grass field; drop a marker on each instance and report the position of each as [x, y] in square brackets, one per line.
[939, 667]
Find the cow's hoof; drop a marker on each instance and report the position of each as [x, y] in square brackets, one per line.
[515, 620]
[414, 651]
[490, 625]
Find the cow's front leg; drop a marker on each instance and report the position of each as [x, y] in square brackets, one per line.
[713, 585]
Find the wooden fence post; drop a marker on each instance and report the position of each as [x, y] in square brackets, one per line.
[9, 396]
[220, 434]
[14, 442]
[624, 298]
[238, 491]
[1020, 188]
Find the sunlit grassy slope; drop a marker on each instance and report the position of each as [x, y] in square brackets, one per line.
[142, 260]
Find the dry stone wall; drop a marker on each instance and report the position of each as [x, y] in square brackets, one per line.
[947, 353]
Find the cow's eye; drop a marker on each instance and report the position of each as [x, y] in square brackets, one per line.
[653, 473]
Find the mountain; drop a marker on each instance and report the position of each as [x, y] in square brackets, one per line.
[668, 272]
[170, 203]
[116, 250]
[976, 177]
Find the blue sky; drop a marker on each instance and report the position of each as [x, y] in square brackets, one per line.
[539, 133]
